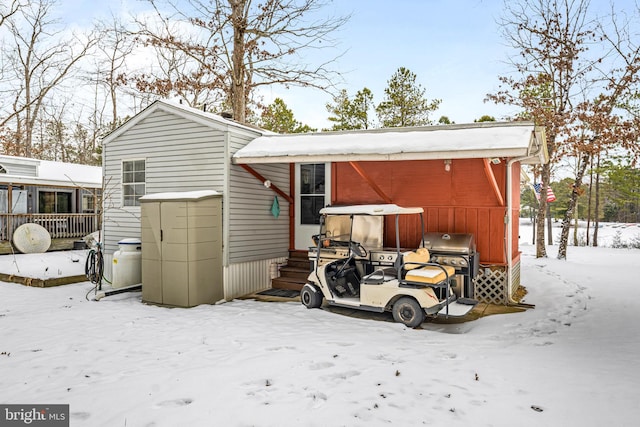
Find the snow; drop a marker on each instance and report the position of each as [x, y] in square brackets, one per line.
[388, 209]
[449, 142]
[50, 266]
[571, 361]
[181, 195]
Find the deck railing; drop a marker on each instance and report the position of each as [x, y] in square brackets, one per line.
[59, 226]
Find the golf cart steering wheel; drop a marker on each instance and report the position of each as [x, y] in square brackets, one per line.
[358, 249]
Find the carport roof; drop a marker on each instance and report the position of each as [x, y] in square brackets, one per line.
[477, 140]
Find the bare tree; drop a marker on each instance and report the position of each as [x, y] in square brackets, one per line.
[568, 78]
[114, 48]
[7, 11]
[39, 58]
[244, 44]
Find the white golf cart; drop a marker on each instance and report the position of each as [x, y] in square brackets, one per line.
[351, 268]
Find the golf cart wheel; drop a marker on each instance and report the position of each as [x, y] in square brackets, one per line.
[310, 296]
[408, 312]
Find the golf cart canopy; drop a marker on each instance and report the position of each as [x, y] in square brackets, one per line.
[387, 209]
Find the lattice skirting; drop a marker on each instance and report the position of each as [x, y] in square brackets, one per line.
[491, 284]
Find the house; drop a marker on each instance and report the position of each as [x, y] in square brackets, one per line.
[169, 147]
[62, 197]
[466, 177]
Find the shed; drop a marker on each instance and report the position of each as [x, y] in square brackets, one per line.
[170, 147]
[182, 248]
[465, 177]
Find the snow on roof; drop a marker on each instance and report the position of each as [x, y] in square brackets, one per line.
[55, 173]
[180, 195]
[388, 209]
[70, 173]
[477, 140]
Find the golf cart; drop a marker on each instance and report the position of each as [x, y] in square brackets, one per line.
[351, 268]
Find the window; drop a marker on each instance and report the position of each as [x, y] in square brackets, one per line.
[311, 192]
[133, 182]
[54, 202]
[88, 203]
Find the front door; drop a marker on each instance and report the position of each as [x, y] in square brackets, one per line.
[313, 192]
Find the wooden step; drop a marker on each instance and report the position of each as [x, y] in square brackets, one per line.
[294, 272]
[302, 264]
[287, 283]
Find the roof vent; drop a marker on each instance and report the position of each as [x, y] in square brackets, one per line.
[227, 115]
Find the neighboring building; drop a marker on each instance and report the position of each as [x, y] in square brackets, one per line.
[466, 177]
[62, 197]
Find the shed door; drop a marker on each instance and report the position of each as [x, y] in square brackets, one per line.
[313, 192]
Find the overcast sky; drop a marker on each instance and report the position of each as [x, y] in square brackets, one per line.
[453, 46]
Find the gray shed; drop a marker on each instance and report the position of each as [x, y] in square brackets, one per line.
[169, 147]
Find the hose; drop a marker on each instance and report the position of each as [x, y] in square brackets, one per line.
[94, 269]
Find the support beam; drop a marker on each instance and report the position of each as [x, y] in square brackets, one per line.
[371, 183]
[492, 180]
[272, 187]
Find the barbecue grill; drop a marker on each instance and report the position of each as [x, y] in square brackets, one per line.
[457, 250]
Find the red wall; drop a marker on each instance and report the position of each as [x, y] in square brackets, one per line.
[461, 200]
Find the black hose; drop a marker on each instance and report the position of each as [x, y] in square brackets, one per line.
[94, 267]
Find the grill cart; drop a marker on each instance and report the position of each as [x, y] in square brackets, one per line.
[351, 268]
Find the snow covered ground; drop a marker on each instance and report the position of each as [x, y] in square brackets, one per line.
[571, 361]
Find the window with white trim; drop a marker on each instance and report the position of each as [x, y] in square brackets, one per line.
[133, 182]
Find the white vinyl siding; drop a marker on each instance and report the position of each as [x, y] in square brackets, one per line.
[180, 155]
[253, 232]
[185, 152]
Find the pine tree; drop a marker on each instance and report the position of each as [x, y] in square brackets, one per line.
[277, 117]
[348, 114]
[405, 103]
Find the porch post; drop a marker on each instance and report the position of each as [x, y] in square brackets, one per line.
[10, 212]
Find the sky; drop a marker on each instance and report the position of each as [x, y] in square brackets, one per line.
[455, 48]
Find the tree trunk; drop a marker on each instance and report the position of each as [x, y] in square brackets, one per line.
[573, 201]
[589, 199]
[597, 203]
[541, 251]
[575, 227]
[238, 89]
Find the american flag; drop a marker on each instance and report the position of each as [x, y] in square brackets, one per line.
[550, 196]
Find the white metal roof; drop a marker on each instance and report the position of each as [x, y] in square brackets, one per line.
[387, 209]
[477, 140]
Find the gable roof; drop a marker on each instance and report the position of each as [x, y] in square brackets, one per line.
[477, 140]
[208, 119]
[49, 173]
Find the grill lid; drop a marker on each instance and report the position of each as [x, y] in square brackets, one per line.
[453, 243]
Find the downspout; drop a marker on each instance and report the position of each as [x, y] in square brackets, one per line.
[509, 219]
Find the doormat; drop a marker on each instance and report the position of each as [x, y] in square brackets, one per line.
[285, 293]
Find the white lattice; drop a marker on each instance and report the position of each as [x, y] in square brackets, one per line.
[490, 285]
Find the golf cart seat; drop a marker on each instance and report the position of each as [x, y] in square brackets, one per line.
[415, 270]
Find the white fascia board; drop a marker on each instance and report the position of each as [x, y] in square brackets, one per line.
[444, 155]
